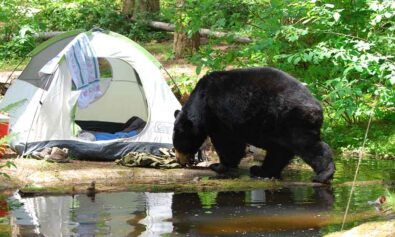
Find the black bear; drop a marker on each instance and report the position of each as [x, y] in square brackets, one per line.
[263, 107]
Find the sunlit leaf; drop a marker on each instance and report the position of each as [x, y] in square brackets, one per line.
[336, 16]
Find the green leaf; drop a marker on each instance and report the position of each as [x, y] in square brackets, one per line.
[297, 60]
[198, 69]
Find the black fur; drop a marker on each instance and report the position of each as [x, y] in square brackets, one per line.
[264, 107]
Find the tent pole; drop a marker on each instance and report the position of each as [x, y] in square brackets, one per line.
[20, 62]
[171, 78]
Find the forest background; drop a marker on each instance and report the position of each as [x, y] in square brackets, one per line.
[342, 50]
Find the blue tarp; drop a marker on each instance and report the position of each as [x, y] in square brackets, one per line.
[110, 136]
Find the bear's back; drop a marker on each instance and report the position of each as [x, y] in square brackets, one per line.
[266, 81]
[244, 95]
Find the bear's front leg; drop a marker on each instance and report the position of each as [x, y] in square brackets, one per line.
[230, 152]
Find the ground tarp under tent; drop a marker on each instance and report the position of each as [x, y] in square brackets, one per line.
[97, 93]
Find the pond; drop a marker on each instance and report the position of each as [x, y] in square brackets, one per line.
[291, 211]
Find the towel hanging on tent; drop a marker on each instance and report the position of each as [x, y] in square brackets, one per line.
[84, 69]
[83, 66]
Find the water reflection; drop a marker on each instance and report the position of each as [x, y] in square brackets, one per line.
[273, 212]
[158, 214]
[298, 211]
[110, 214]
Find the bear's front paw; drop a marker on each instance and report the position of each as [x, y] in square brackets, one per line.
[219, 168]
[325, 176]
[320, 179]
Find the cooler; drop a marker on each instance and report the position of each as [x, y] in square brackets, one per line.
[4, 125]
[4, 128]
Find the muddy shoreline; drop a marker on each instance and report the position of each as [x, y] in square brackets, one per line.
[37, 177]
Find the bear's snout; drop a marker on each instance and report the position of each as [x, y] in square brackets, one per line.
[183, 158]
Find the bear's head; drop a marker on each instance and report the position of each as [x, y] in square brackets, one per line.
[187, 138]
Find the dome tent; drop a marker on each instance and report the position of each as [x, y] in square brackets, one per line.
[132, 86]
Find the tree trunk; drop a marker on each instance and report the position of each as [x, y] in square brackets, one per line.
[182, 43]
[128, 7]
[140, 8]
[153, 6]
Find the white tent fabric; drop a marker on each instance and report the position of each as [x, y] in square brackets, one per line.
[137, 88]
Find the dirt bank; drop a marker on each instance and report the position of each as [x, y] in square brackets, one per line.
[36, 177]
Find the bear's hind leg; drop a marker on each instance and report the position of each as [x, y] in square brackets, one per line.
[277, 158]
[230, 153]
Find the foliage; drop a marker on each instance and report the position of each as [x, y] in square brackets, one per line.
[342, 50]
[183, 83]
[87, 14]
[65, 15]
[20, 21]
[219, 15]
[15, 30]
[8, 164]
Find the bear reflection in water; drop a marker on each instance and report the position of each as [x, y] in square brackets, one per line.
[288, 210]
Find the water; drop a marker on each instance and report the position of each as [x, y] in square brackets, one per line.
[297, 211]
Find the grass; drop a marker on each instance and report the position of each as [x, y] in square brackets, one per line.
[155, 48]
[390, 202]
[12, 64]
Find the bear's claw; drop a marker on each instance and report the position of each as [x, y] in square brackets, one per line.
[258, 171]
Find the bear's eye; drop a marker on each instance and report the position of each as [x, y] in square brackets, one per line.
[186, 123]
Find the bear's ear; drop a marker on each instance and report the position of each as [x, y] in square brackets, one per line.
[176, 113]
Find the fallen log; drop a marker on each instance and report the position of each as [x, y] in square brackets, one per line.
[46, 35]
[162, 26]
[203, 32]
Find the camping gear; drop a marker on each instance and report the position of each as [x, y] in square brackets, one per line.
[132, 86]
[167, 159]
[54, 155]
[4, 125]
